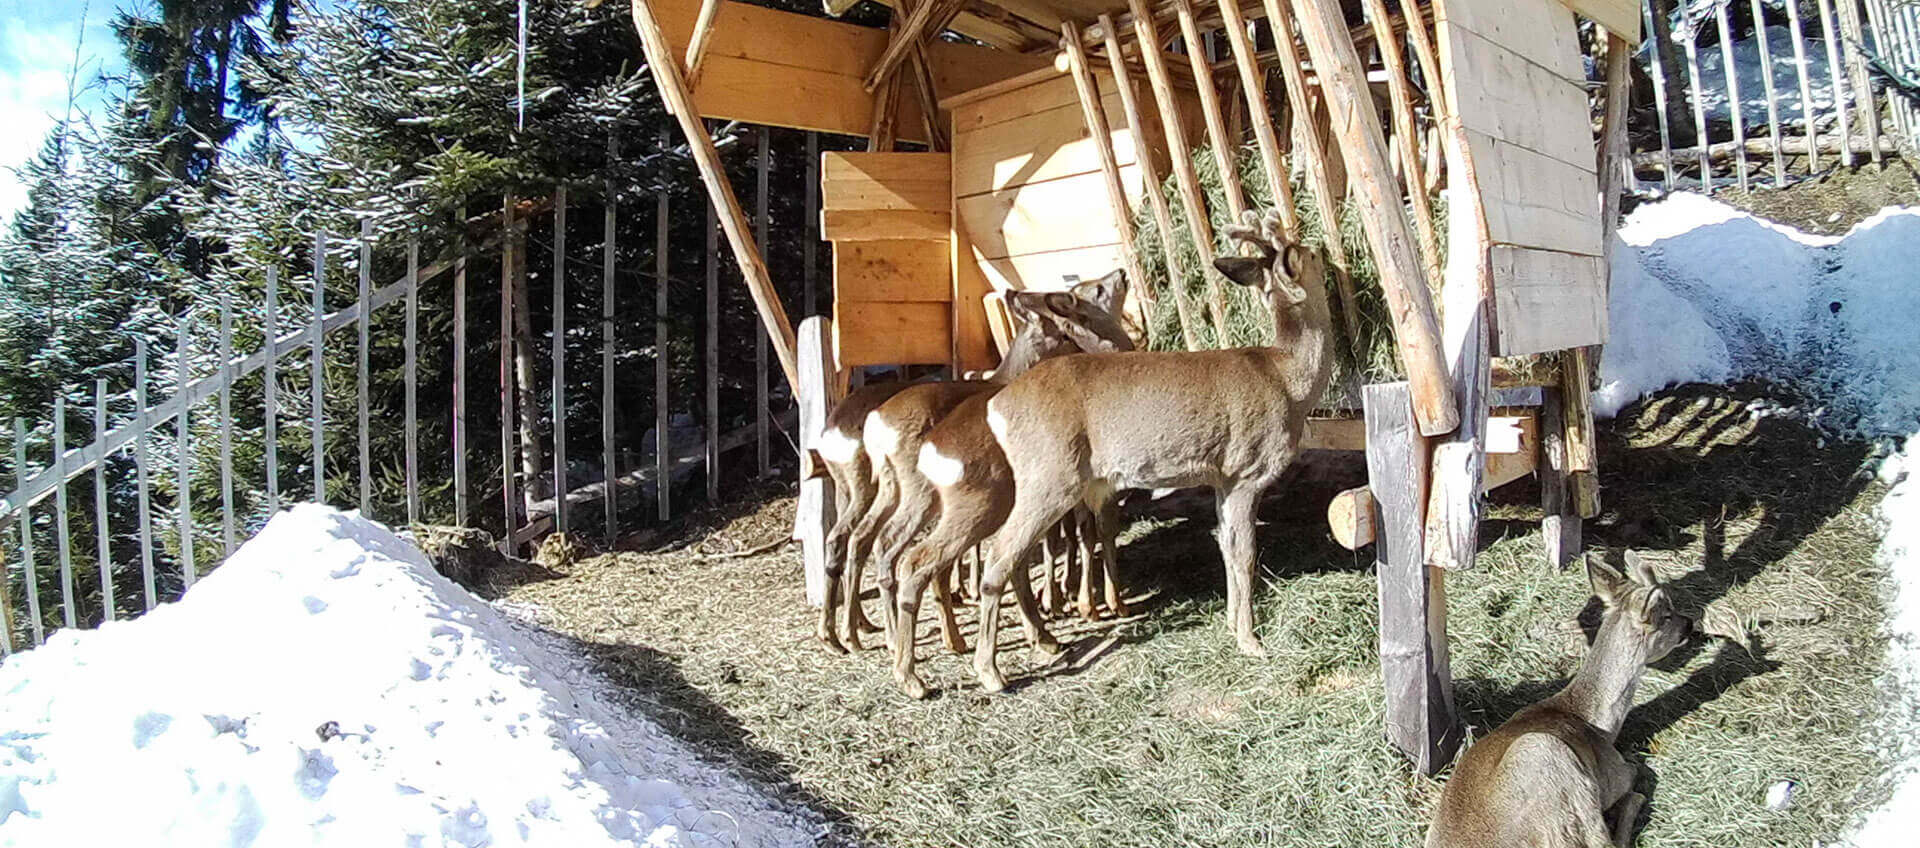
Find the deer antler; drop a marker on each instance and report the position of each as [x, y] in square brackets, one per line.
[1252, 233]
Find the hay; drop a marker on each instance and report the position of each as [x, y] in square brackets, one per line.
[1154, 731]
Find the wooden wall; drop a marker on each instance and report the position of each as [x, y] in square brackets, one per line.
[1513, 73]
[888, 217]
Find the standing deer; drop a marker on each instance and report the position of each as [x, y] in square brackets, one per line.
[1546, 778]
[1079, 429]
[868, 496]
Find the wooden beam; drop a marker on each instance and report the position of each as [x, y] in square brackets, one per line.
[1319, 177]
[913, 31]
[1095, 114]
[697, 43]
[1407, 131]
[1413, 601]
[1181, 157]
[673, 92]
[1223, 144]
[1253, 87]
[1150, 174]
[1343, 79]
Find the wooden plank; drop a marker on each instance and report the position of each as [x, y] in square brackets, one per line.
[152, 595]
[846, 225]
[460, 369]
[713, 174]
[412, 377]
[1413, 636]
[183, 469]
[973, 343]
[881, 169]
[1453, 502]
[1500, 93]
[1051, 89]
[815, 513]
[1547, 300]
[1057, 214]
[1620, 17]
[270, 391]
[1224, 146]
[1151, 183]
[30, 575]
[1054, 270]
[1534, 200]
[224, 355]
[1041, 146]
[1118, 203]
[925, 195]
[363, 359]
[1180, 157]
[1544, 33]
[1416, 330]
[317, 382]
[892, 270]
[891, 334]
[102, 533]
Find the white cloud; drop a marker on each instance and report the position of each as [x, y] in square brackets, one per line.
[36, 56]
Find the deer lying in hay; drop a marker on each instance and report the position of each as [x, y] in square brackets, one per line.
[867, 496]
[1079, 429]
[1546, 777]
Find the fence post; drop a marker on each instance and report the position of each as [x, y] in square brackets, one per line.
[105, 563]
[1839, 77]
[810, 237]
[662, 440]
[226, 424]
[760, 224]
[413, 380]
[183, 500]
[713, 355]
[1773, 95]
[560, 359]
[140, 472]
[62, 542]
[509, 506]
[1702, 140]
[30, 575]
[1736, 107]
[365, 295]
[319, 332]
[270, 390]
[609, 201]
[1806, 86]
[460, 371]
[1660, 95]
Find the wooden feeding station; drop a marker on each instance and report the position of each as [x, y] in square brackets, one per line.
[1010, 141]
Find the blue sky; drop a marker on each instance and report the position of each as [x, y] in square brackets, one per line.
[37, 41]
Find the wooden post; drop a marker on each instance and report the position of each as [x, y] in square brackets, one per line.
[810, 234]
[609, 470]
[697, 42]
[1773, 96]
[460, 369]
[1613, 137]
[662, 440]
[225, 354]
[818, 394]
[761, 431]
[361, 374]
[1699, 107]
[1735, 106]
[270, 389]
[559, 363]
[1413, 601]
[1407, 131]
[509, 246]
[183, 464]
[1424, 51]
[1343, 79]
[6, 609]
[1853, 38]
[1253, 87]
[140, 482]
[1830, 33]
[102, 534]
[675, 95]
[1559, 522]
[63, 538]
[1095, 116]
[32, 577]
[1659, 66]
[1182, 161]
[533, 455]
[712, 358]
[930, 16]
[1150, 174]
[1224, 148]
[411, 342]
[319, 378]
[1319, 180]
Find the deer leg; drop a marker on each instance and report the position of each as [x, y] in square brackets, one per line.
[913, 514]
[1107, 519]
[1049, 590]
[1626, 812]
[854, 490]
[1032, 515]
[1083, 528]
[886, 500]
[949, 626]
[1235, 506]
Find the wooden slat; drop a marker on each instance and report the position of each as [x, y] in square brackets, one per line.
[848, 225]
[1619, 17]
[1547, 300]
[412, 377]
[362, 360]
[891, 334]
[1852, 42]
[1180, 157]
[1040, 146]
[1049, 89]
[1837, 74]
[1657, 63]
[1773, 96]
[1119, 205]
[1560, 526]
[459, 368]
[1504, 95]
[1406, 130]
[1052, 215]
[881, 169]
[1736, 107]
[224, 356]
[317, 381]
[1225, 146]
[32, 576]
[1534, 200]
[907, 194]
[1156, 198]
[1541, 32]
[63, 536]
[815, 512]
[557, 364]
[1049, 271]
[151, 595]
[183, 468]
[1253, 87]
[973, 347]
[892, 270]
[270, 390]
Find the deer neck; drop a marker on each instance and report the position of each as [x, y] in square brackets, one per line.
[1601, 693]
[1303, 341]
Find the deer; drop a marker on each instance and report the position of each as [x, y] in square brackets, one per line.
[1548, 775]
[1078, 429]
[882, 417]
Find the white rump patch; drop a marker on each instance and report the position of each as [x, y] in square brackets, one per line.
[837, 447]
[943, 471]
[881, 439]
[995, 421]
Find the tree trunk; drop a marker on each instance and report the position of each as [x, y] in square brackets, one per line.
[1679, 119]
[533, 458]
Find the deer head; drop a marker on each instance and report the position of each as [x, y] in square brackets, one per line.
[1639, 619]
[1080, 320]
[1281, 268]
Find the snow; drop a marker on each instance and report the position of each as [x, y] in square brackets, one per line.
[1747, 67]
[1702, 291]
[326, 687]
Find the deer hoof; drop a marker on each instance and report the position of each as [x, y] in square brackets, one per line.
[991, 682]
[1047, 648]
[832, 642]
[1120, 610]
[911, 685]
[1251, 647]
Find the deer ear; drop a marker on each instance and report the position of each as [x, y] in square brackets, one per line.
[1108, 292]
[1061, 304]
[1025, 306]
[1608, 583]
[1244, 270]
[1640, 571]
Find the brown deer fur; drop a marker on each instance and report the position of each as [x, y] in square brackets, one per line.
[1081, 428]
[1546, 777]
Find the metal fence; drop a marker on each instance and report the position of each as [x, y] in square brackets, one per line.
[1834, 81]
[139, 443]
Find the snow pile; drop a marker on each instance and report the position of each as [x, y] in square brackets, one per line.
[1703, 291]
[325, 686]
[1896, 822]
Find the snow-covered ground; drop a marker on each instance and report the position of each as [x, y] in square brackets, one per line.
[1747, 65]
[325, 686]
[1704, 292]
